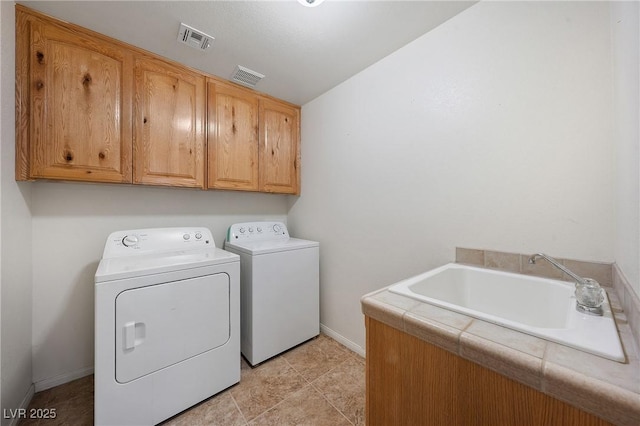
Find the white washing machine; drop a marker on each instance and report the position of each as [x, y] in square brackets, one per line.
[167, 332]
[279, 288]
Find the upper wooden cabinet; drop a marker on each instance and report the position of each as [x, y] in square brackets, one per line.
[233, 137]
[279, 147]
[73, 105]
[169, 107]
[254, 141]
[94, 109]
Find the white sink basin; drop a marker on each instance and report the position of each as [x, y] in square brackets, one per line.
[538, 306]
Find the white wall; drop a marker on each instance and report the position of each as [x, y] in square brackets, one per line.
[70, 225]
[491, 131]
[625, 22]
[15, 244]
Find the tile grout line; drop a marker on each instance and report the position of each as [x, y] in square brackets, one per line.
[330, 403]
[280, 402]
[310, 383]
[322, 393]
[295, 370]
[238, 408]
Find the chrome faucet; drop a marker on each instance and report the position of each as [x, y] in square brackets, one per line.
[589, 294]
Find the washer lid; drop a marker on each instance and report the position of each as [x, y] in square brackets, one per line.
[118, 268]
[270, 246]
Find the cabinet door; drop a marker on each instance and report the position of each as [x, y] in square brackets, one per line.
[279, 147]
[79, 106]
[168, 134]
[232, 137]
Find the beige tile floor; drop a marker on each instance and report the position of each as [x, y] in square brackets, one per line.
[317, 383]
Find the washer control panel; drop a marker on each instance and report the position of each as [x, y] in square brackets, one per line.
[252, 231]
[154, 240]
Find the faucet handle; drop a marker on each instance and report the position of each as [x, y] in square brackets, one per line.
[589, 293]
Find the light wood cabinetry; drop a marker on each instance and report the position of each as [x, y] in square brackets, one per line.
[169, 107]
[412, 382]
[254, 141]
[279, 147]
[73, 105]
[233, 137]
[94, 109]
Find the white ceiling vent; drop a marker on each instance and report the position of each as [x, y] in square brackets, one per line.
[194, 38]
[246, 76]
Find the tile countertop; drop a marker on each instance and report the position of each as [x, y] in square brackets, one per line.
[608, 389]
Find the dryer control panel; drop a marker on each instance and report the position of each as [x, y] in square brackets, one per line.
[156, 240]
[253, 231]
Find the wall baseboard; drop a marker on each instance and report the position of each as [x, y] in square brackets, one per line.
[342, 340]
[24, 404]
[62, 379]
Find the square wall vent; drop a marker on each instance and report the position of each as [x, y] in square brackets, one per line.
[246, 76]
[194, 38]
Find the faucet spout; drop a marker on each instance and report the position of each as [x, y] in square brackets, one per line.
[589, 294]
[577, 278]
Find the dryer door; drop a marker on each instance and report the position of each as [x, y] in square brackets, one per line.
[161, 325]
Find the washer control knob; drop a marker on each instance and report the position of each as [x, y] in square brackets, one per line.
[259, 229]
[130, 240]
[186, 237]
[198, 235]
[277, 228]
[250, 229]
[242, 230]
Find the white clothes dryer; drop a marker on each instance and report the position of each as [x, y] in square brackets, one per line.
[167, 332]
[279, 288]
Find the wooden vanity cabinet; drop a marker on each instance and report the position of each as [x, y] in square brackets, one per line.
[232, 137]
[413, 382]
[73, 104]
[168, 131]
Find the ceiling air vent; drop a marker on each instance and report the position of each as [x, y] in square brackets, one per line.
[246, 76]
[194, 38]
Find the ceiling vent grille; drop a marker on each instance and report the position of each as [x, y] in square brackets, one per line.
[246, 76]
[194, 38]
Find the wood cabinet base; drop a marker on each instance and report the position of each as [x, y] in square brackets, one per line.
[411, 382]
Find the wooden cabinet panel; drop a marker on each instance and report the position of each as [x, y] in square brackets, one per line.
[279, 147]
[168, 125]
[412, 382]
[78, 88]
[232, 137]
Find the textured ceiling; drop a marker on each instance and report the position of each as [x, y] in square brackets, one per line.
[303, 52]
